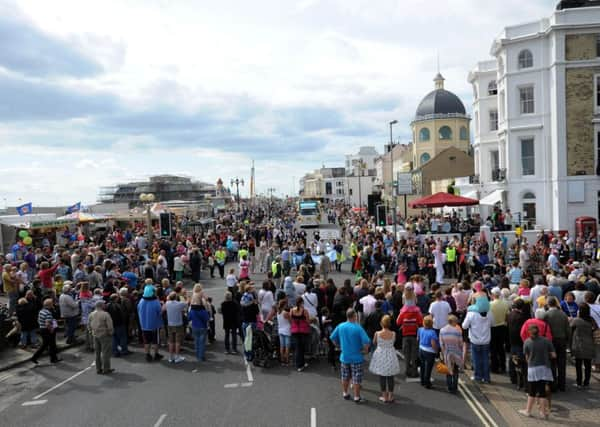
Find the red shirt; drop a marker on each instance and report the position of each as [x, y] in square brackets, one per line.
[544, 329]
[410, 319]
[46, 276]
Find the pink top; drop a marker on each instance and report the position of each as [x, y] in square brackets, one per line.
[524, 292]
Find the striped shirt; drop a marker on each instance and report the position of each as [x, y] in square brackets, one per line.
[45, 316]
[451, 340]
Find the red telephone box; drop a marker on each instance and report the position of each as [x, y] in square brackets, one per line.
[586, 225]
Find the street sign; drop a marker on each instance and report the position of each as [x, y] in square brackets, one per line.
[404, 184]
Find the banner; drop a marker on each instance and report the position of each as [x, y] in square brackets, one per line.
[24, 209]
[75, 208]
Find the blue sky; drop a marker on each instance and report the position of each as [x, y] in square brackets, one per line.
[95, 93]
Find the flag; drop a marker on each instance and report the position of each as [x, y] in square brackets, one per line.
[24, 209]
[75, 208]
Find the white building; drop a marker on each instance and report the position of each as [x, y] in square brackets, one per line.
[365, 158]
[327, 184]
[358, 188]
[536, 117]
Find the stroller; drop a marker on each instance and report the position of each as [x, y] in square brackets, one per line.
[262, 349]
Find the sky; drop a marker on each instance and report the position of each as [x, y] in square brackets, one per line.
[94, 93]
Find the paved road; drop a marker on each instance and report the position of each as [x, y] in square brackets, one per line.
[220, 392]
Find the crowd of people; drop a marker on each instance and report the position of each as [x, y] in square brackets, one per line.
[523, 309]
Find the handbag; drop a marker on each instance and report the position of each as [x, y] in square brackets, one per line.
[442, 368]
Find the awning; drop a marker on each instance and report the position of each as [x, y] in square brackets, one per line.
[492, 198]
[440, 200]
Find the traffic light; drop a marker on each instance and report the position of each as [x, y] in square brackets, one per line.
[165, 225]
[381, 216]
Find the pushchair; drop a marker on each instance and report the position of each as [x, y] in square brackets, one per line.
[271, 330]
[262, 349]
[314, 348]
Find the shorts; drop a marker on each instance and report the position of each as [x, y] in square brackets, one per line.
[285, 341]
[537, 389]
[352, 370]
[150, 337]
[175, 334]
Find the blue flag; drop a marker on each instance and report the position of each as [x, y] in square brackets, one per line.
[75, 208]
[25, 209]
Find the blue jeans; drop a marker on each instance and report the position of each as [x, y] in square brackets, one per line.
[119, 340]
[28, 336]
[481, 361]
[71, 324]
[249, 355]
[13, 297]
[427, 360]
[199, 341]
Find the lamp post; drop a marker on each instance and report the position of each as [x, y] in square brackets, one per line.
[394, 219]
[237, 182]
[361, 166]
[147, 199]
[271, 190]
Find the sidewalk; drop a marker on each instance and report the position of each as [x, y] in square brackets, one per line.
[13, 357]
[574, 407]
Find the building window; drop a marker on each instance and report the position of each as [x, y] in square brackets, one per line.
[597, 90]
[493, 88]
[527, 100]
[598, 153]
[529, 208]
[598, 45]
[527, 157]
[424, 134]
[328, 188]
[494, 160]
[525, 59]
[493, 120]
[445, 132]
[464, 133]
[425, 157]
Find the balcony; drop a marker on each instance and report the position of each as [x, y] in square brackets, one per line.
[499, 174]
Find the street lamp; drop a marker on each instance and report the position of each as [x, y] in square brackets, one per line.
[271, 190]
[392, 123]
[236, 181]
[361, 166]
[147, 199]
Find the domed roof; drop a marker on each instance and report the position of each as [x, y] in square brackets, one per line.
[439, 102]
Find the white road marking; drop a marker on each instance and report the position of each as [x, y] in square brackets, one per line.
[479, 410]
[249, 373]
[160, 420]
[34, 402]
[234, 385]
[313, 417]
[246, 384]
[72, 377]
[412, 380]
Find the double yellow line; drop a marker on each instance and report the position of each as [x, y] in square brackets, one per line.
[483, 415]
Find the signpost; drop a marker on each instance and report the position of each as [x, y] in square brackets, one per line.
[404, 187]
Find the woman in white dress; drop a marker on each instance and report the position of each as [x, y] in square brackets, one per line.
[438, 263]
[384, 361]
